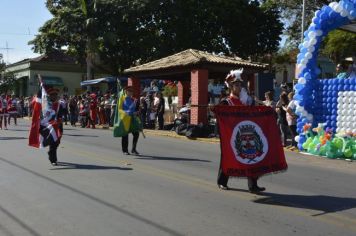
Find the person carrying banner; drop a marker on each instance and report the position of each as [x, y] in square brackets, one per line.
[46, 128]
[127, 120]
[243, 143]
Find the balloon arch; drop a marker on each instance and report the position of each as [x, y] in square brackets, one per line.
[329, 105]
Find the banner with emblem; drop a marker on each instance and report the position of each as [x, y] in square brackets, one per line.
[250, 141]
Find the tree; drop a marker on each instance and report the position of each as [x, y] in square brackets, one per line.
[291, 12]
[339, 44]
[123, 33]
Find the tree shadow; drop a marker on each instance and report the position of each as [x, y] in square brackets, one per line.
[71, 166]
[11, 138]
[149, 157]
[81, 135]
[326, 204]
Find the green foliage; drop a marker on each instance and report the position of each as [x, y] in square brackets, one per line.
[7, 82]
[170, 90]
[123, 33]
[291, 12]
[339, 45]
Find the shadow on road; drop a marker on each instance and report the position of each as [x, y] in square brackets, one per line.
[11, 138]
[110, 205]
[26, 227]
[326, 204]
[81, 135]
[68, 166]
[148, 157]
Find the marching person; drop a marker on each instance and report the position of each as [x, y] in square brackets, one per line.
[236, 98]
[131, 107]
[47, 127]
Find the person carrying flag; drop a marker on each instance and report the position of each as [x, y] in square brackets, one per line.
[244, 143]
[47, 128]
[127, 120]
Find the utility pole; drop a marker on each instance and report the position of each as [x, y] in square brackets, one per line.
[7, 52]
[303, 19]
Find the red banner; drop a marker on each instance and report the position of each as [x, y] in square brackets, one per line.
[250, 141]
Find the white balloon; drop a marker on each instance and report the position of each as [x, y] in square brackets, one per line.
[350, 93]
[344, 99]
[344, 13]
[311, 49]
[338, 8]
[338, 130]
[339, 100]
[355, 112]
[297, 138]
[302, 80]
[311, 34]
[340, 93]
[308, 55]
[306, 44]
[332, 4]
[312, 41]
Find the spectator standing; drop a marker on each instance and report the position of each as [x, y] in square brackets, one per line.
[73, 111]
[107, 108]
[292, 119]
[160, 107]
[281, 108]
[268, 100]
[3, 111]
[113, 109]
[12, 109]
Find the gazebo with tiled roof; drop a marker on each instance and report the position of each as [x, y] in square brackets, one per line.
[192, 68]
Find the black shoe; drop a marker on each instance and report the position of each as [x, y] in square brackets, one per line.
[256, 189]
[134, 152]
[223, 187]
[126, 153]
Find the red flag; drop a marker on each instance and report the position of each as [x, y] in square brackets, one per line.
[34, 137]
[250, 141]
[45, 128]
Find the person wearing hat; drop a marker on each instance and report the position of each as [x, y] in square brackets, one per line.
[130, 106]
[237, 97]
[46, 128]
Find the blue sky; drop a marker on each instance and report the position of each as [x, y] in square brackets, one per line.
[19, 18]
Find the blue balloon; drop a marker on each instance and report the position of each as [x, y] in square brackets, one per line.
[346, 87]
[307, 76]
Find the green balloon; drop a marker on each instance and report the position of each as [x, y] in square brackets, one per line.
[322, 151]
[338, 143]
[348, 153]
[330, 155]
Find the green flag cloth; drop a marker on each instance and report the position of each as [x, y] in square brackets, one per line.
[123, 122]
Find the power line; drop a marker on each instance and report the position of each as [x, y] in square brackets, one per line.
[7, 52]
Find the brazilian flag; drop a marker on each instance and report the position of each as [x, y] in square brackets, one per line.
[123, 122]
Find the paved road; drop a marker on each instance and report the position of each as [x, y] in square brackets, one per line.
[170, 190]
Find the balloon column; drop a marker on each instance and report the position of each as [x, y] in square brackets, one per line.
[318, 99]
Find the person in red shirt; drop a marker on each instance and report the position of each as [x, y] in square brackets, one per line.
[93, 110]
[235, 98]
